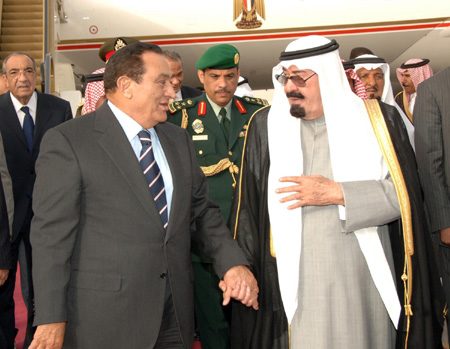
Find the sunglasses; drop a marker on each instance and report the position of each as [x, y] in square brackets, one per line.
[297, 80]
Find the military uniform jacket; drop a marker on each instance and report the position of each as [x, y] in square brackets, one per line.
[219, 158]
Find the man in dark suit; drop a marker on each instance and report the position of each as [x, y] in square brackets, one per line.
[25, 115]
[176, 66]
[111, 252]
[432, 137]
[7, 329]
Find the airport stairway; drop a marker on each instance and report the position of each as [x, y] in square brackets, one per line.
[22, 29]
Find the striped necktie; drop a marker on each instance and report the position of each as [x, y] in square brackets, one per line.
[28, 127]
[153, 175]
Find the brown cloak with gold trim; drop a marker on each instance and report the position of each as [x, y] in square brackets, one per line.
[267, 328]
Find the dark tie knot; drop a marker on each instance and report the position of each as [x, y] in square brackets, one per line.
[144, 137]
[25, 109]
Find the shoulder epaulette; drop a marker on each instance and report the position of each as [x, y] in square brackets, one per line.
[253, 100]
[183, 104]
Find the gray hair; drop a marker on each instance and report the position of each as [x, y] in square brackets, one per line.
[18, 53]
[172, 55]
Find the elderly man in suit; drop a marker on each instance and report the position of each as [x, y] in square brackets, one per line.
[25, 115]
[111, 238]
[176, 66]
[432, 123]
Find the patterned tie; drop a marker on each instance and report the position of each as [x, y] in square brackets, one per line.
[153, 175]
[225, 123]
[28, 127]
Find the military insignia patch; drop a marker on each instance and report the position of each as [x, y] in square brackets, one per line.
[119, 44]
[202, 108]
[260, 101]
[240, 107]
[236, 58]
[198, 126]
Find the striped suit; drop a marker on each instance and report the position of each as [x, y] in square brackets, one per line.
[432, 139]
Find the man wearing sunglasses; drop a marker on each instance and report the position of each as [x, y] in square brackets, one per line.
[318, 217]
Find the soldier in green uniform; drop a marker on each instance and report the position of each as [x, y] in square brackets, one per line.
[217, 122]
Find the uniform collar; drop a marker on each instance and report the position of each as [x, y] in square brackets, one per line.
[217, 108]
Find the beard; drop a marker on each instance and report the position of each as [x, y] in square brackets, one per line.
[297, 111]
[373, 95]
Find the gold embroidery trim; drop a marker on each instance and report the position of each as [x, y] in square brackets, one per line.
[240, 177]
[185, 119]
[289, 335]
[222, 165]
[407, 111]
[272, 246]
[387, 149]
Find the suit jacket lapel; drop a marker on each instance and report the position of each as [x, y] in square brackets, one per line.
[116, 145]
[43, 115]
[176, 169]
[9, 115]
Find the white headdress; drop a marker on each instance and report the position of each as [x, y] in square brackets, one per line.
[354, 152]
[370, 62]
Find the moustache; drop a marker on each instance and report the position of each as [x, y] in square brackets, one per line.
[223, 90]
[295, 95]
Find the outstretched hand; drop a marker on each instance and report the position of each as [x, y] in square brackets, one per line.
[315, 190]
[240, 284]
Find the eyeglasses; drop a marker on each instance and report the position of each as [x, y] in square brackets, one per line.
[16, 73]
[297, 80]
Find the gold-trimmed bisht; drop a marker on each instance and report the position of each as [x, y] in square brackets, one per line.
[240, 177]
[390, 157]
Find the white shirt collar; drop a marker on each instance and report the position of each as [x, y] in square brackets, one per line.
[32, 103]
[178, 96]
[130, 126]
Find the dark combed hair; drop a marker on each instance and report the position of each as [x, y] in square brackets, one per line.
[127, 62]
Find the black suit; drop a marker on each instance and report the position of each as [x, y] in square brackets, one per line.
[189, 92]
[108, 277]
[432, 138]
[5, 263]
[50, 111]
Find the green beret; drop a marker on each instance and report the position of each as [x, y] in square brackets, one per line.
[222, 56]
[113, 45]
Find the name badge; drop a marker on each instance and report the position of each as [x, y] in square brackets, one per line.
[200, 137]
